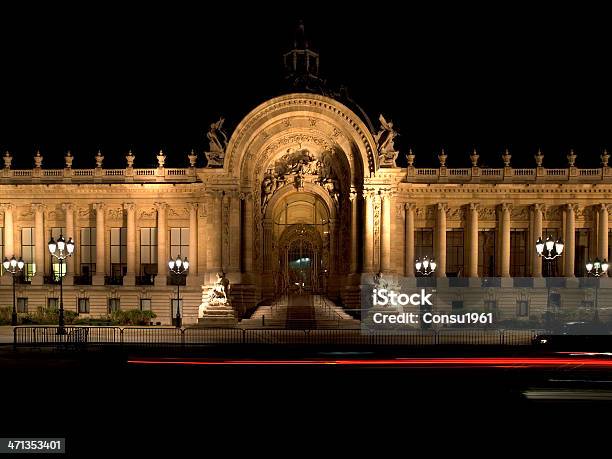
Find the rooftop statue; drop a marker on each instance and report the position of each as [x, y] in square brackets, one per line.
[384, 140]
[217, 143]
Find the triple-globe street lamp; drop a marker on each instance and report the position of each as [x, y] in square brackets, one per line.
[179, 267]
[425, 267]
[61, 250]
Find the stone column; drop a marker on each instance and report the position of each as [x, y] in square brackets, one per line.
[505, 240]
[247, 232]
[536, 268]
[161, 278]
[409, 240]
[9, 237]
[193, 238]
[353, 262]
[9, 247]
[192, 275]
[41, 243]
[216, 246]
[441, 240]
[98, 278]
[70, 233]
[570, 241]
[473, 240]
[368, 243]
[334, 263]
[130, 277]
[385, 232]
[603, 232]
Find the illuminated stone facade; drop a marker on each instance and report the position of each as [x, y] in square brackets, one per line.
[302, 181]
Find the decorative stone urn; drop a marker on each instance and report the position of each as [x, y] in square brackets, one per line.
[193, 157]
[571, 159]
[506, 157]
[474, 158]
[604, 158]
[68, 159]
[410, 158]
[99, 159]
[130, 159]
[38, 159]
[539, 158]
[442, 158]
[8, 159]
[161, 159]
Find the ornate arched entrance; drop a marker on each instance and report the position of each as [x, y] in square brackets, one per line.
[308, 148]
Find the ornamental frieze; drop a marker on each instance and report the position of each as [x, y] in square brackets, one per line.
[519, 213]
[487, 213]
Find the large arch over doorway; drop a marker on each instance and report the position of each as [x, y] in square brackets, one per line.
[300, 143]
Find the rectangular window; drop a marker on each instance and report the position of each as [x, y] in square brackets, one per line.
[83, 305]
[27, 252]
[145, 304]
[53, 303]
[22, 305]
[55, 233]
[454, 252]
[118, 252]
[522, 308]
[88, 251]
[114, 304]
[490, 306]
[148, 252]
[582, 247]
[423, 243]
[487, 239]
[179, 242]
[518, 253]
[551, 268]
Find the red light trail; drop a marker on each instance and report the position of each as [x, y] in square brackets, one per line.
[407, 362]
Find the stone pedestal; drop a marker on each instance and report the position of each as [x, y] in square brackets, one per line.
[216, 308]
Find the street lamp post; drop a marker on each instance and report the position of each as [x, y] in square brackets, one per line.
[179, 267]
[549, 250]
[14, 267]
[425, 267]
[596, 269]
[61, 250]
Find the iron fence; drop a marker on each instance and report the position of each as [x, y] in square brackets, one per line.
[172, 336]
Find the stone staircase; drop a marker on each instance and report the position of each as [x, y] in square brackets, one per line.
[327, 315]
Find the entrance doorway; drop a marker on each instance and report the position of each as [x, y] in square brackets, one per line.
[300, 266]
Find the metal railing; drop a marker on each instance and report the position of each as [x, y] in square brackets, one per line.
[172, 336]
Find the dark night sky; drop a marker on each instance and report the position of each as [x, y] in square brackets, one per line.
[455, 78]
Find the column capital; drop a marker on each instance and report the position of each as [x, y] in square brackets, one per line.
[38, 207]
[246, 195]
[68, 206]
[129, 206]
[473, 206]
[7, 206]
[506, 207]
[571, 207]
[98, 206]
[192, 206]
[604, 207]
[442, 206]
[161, 206]
[410, 206]
[539, 207]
